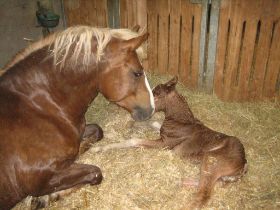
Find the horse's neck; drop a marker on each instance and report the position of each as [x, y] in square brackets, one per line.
[177, 109]
[52, 89]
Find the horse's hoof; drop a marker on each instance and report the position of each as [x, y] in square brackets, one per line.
[94, 132]
[39, 203]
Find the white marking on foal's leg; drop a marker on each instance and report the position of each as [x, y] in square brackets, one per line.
[189, 182]
[150, 93]
[125, 144]
[156, 125]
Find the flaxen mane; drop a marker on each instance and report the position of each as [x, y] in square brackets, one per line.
[81, 36]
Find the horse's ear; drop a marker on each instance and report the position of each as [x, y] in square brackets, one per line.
[171, 84]
[134, 43]
[135, 28]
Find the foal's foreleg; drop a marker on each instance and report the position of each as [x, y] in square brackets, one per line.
[134, 142]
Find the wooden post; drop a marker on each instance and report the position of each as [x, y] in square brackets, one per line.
[203, 35]
[113, 13]
[212, 45]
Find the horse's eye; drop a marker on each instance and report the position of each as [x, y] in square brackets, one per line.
[138, 73]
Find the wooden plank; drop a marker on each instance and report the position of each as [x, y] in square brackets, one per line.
[142, 13]
[72, 12]
[214, 21]
[233, 53]
[123, 14]
[222, 48]
[152, 30]
[174, 37]
[242, 92]
[84, 12]
[101, 14]
[261, 57]
[197, 9]
[131, 13]
[186, 42]
[272, 66]
[91, 6]
[163, 36]
[203, 43]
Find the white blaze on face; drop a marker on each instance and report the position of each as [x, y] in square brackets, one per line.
[150, 93]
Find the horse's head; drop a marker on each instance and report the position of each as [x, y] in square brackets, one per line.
[163, 94]
[122, 79]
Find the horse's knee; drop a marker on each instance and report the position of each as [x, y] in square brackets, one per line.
[93, 131]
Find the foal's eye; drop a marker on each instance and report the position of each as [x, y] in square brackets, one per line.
[138, 73]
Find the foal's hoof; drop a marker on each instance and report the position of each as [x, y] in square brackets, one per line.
[93, 131]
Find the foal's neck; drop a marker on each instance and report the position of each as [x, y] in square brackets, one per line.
[178, 109]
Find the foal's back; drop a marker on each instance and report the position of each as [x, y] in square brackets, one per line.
[221, 156]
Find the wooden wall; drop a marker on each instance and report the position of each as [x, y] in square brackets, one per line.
[247, 62]
[173, 45]
[133, 12]
[86, 12]
[248, 50]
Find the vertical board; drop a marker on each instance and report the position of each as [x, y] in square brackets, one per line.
[163, 32]
[174, 27]
[197, 10]
[273, 65]
[174, 37]
[153, 35]
[186, 43]
[123, 14]
[248, 55]
[84, 12]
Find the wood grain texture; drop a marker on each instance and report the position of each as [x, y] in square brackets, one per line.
[247, 60]
[174, 37]
[163, 36]
[186, 43]
[153, 38]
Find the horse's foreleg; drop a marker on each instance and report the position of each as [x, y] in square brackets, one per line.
[69, 180]
[91, 135]
[134, 142]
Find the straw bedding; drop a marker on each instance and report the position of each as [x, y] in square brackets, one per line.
[151, 178]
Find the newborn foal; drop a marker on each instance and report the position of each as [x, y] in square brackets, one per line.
[222, 157]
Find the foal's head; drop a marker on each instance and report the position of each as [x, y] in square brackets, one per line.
[122, 79]
[163, 94]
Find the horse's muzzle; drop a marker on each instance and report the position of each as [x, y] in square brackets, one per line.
[141, 114]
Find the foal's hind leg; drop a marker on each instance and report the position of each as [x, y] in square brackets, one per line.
[91, 135]
[70, 179]
[208, 178]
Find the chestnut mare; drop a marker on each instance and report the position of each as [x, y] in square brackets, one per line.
[44, 94]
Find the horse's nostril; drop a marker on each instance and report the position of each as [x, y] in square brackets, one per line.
[140, 114]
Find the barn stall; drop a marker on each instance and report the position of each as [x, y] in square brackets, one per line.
[227, 57]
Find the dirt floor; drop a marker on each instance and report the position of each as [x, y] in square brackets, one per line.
[151, 178]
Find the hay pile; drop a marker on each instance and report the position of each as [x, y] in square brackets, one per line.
[150, 178]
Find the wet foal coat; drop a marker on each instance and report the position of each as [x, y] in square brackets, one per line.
[221, 156]
[44, 94]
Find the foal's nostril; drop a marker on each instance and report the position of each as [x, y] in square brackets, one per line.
[140, 114]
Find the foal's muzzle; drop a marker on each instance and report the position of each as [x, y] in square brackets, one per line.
[141, 114]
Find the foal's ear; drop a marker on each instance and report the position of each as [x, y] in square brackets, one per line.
[171, 84]
[134, 43]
